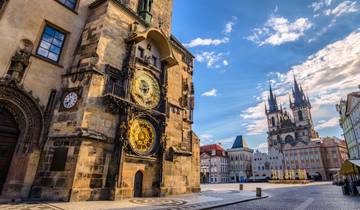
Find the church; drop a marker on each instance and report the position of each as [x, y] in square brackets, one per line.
[96, 101]
[290, 128]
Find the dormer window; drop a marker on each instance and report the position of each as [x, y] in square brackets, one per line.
[213, 152]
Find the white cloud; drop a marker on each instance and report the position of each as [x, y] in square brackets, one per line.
[230, 25]
[326, 76]
[330, 123]
[206, 42]
[344, 8]
[263, 147]
[210, 93]
[320, 4]
[279, 30]
[212, 59]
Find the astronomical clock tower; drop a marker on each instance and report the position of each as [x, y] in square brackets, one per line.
[123, 123]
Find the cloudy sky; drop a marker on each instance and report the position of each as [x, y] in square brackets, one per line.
[242, 45]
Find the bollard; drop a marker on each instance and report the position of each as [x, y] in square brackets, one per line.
[258, 192]
[241, 186]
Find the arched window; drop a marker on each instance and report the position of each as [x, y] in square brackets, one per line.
[273, 121]
[301, 117]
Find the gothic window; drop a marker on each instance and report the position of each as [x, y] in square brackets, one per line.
[59, 159]
[51, 43]
[154, 61]
[301, 117]
[71, 4]
[273, 121]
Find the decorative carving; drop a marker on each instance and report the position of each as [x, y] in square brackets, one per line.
[19, 62]
[27, 114]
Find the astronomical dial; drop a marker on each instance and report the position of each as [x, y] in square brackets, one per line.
[142, 136]
[70, 100]
[145, 89]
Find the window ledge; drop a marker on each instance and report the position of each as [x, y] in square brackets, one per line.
[47, 60]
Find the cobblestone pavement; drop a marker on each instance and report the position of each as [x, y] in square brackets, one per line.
[318, 196]
[28, 206]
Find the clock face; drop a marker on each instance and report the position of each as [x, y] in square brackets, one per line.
[145, 89]
[142, 136]
[70, 100]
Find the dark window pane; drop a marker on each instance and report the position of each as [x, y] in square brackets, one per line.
[59, 159]
[49, 31]
[68, 3]
[59, 36]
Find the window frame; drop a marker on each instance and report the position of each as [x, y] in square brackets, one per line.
[57, 29]
[72, 10]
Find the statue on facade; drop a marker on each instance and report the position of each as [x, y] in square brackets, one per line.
[19, 62]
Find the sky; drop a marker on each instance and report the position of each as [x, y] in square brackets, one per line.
[240, 46]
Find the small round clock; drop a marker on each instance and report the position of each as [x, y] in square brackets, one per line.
[145, 89]
[70, 100]
[142, 136]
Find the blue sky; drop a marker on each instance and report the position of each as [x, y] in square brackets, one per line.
[241, 45]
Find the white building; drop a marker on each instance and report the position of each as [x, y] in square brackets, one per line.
[214, 164]
[240, 157]
[264, 163]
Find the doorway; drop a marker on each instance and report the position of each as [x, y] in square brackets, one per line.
[138, 184]
[9, 132]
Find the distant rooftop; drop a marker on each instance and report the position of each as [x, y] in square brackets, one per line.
[240, 142]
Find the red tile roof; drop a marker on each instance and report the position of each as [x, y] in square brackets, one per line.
[208, 149]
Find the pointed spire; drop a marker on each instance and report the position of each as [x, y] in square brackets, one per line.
[273, 107]
[298, 94]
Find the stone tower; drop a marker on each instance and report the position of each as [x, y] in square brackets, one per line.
[122, 126]
[301, 110]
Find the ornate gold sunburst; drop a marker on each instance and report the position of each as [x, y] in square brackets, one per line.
[142, 136]
[145, 89]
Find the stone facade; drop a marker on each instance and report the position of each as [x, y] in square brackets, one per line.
[111, 117]
[240, 157]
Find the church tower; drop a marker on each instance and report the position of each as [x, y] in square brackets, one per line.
[301, 109]
[274, 117]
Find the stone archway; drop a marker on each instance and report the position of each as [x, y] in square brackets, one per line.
[138, 183]
[9, 133]
[27, 114]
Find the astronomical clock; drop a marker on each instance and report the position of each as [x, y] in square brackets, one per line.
[145, 89]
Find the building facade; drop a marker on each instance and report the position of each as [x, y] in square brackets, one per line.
[240, 157]
[263, 164]
[294, 136]
[97, 100]
[290, 128]
[214, 164]
[349, 111]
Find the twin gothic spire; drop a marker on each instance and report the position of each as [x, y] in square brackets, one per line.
[300, 99]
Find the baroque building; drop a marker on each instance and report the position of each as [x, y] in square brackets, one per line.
[96, 101]
[214, 164]
[290, 128]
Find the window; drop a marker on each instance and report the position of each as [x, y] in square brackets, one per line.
[141, 52]
[301, 118]
[273, 121]
[59, 159]
[51, 43]
[154, 61]
[71, 4]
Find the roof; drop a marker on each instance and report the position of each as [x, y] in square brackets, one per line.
[239, 142]
[180, 45]
[219, 151]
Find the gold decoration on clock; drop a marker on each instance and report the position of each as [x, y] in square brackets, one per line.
[145, 89]
[142, 136]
